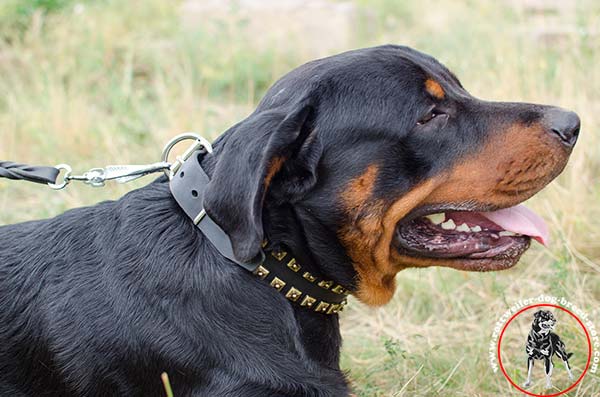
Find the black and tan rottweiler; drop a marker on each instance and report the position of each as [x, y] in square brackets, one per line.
[543, 344]
[355, 166]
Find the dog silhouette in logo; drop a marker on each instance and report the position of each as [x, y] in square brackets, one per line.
[543, 344]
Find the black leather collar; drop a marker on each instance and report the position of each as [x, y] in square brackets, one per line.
[278, 268]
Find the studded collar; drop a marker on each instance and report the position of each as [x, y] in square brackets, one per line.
[278, 268]
[284, 273]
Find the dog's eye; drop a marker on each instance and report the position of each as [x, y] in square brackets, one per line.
[433, 113]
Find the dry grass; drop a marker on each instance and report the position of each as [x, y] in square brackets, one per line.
[109, 82]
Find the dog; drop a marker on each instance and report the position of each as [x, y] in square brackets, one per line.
[351, 169]
[543, 344]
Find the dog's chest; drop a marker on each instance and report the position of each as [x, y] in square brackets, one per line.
[540, 342]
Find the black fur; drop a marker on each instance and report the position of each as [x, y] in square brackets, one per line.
[100, 300]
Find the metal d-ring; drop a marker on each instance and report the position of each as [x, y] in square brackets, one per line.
[66, 178]
[200, 144]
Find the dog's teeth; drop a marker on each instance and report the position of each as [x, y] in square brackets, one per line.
[476, 229]
[449, 225]
[436, 219]
[463, 228]
[506, 233]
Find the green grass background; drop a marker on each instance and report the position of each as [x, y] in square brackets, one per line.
[106, 82]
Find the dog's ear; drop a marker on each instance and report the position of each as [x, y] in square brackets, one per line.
[299, 170]
[537, 314]
[253, 152]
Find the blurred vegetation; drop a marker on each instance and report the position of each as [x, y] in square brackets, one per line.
[101, 82]
[16, 15]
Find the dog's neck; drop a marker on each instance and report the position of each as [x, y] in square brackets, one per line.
[283, 227]
[286, 226]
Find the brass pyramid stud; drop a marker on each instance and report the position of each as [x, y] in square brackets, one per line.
[277, 283]
[308, 301]
[293, 294]
[261, 272]
[279, 255]
[338, 289]
[322, 307]
[294, 265]
[342, 305]
[325, 284]
[309, 277]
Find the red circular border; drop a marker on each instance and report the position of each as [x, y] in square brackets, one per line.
[587, 365]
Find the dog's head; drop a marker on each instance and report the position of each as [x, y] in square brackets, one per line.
[378, 160]
[543, 321]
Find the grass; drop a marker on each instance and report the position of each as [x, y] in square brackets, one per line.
[108, 82]
[167, 384]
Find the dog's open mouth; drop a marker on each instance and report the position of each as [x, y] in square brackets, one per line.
[488, 240]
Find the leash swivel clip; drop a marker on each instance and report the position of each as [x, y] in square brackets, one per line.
[97, 177]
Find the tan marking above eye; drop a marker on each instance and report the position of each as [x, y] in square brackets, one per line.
[434, 88]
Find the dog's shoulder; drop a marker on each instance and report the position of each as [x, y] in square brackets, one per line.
[555, 339]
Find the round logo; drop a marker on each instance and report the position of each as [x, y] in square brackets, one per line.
[536, 350]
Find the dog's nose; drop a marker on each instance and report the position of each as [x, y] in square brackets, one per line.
[564, 125]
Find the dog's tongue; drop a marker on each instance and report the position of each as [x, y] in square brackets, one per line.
[522, 220]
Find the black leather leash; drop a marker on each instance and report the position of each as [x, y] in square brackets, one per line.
[31, 173]
[95, 177]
